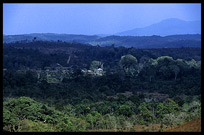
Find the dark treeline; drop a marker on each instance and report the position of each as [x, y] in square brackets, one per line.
[41, 54]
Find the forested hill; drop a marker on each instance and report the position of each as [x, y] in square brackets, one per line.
[175, 41]
[154, 41]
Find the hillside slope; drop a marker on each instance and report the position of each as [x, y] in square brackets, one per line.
[192, 126]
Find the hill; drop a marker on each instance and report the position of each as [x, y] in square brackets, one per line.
[176, 41]
[192, 126]
[166, 27]
[49, 37]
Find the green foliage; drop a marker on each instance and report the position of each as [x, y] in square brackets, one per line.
[125, 110]
[122, 99]
[179, 101]
[104, 88]
[128, 63]
[35, 126]
[145, 114]
[65, 125]
[135, 99]
[27, 108]
[165, 71]
[171, 106]
[94, 65]
[164, 60]
[66, 121]
[9, 118]
[161, 110]
[193, 63]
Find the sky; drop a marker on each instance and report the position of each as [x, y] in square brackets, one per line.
[90, 18]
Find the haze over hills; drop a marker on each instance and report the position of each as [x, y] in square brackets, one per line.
[167, 33]
[187, 40]
[49, 36]
[172, 26]
[175, 41]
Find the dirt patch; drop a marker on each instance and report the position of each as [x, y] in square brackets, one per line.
[192, 126]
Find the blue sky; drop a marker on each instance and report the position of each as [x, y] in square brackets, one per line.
[92, 18]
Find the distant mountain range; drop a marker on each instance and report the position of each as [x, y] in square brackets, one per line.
[175, 41]
[167, 33]
[50, 36]
[166, 27]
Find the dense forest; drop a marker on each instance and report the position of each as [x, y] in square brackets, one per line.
[59, 86]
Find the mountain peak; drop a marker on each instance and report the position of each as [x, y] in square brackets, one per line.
[172, 19]
[170, 26]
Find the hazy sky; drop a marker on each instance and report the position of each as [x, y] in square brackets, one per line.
[90, 18]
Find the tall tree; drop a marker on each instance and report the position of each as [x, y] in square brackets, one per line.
[175, 69]
[128, 63]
